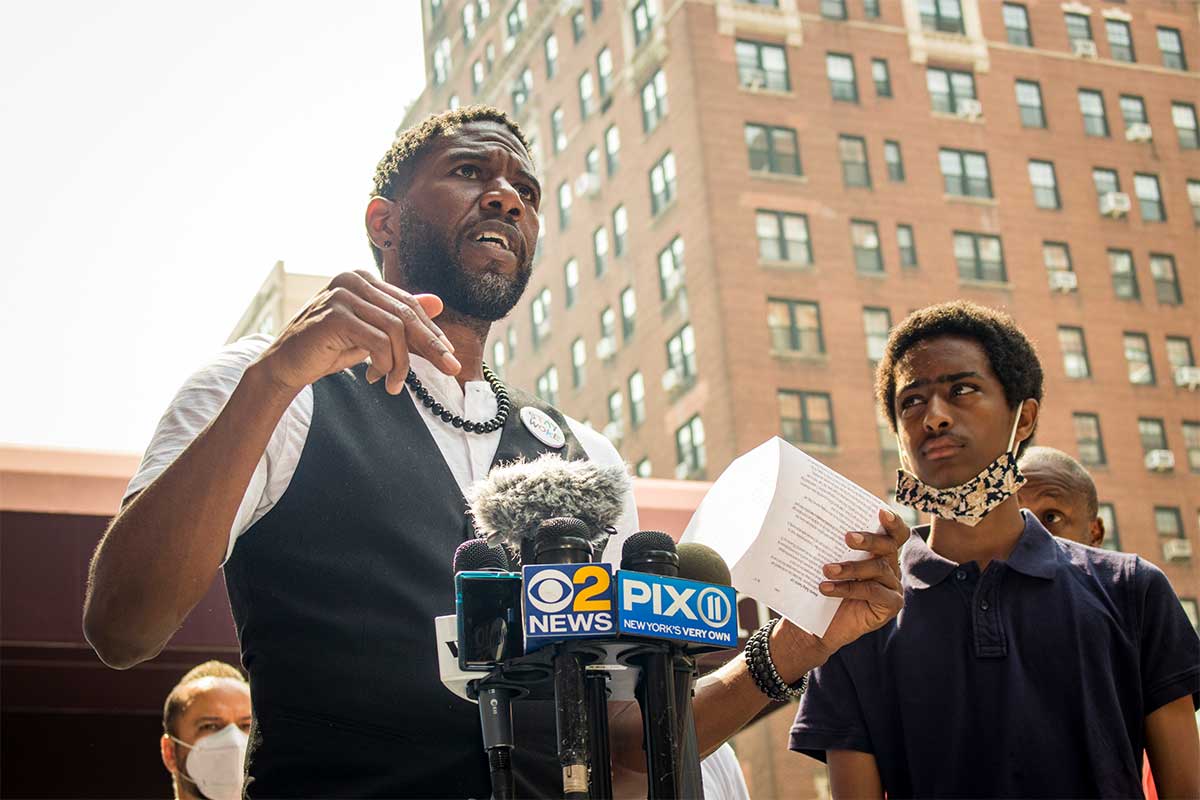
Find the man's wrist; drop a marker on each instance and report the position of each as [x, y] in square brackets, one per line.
[260, 383]
[795, 651]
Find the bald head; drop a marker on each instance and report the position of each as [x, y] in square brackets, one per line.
[1061, 493]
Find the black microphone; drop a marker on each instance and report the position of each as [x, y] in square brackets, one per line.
[654, 552]
[495, 703]
[566, 540]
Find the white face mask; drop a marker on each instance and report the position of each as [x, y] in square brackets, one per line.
[215, 763]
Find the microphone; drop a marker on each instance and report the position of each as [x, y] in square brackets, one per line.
[566, 540]
[488, 598]
[653, 552]
[513, 500]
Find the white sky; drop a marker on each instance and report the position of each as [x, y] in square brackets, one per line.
[156, 159]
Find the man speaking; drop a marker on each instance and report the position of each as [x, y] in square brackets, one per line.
[325, 472]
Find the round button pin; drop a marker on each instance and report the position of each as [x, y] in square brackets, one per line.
[543, 428]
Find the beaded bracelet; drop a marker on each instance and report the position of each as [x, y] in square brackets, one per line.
[762, 668]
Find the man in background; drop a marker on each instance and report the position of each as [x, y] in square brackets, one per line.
[1062, 495]
[206, 718]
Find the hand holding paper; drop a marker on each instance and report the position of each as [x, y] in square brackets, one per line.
[781, 519]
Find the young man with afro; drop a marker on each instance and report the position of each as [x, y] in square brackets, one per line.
[1022, 665]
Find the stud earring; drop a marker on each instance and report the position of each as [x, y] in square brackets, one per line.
[387, 243]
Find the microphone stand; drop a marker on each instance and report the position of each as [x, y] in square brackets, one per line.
[596, 687]
[691, 779]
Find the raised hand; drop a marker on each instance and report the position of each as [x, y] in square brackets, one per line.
[359, 316]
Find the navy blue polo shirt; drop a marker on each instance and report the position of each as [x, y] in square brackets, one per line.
[1031, 678]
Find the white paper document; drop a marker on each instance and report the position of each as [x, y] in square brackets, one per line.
[777, 515]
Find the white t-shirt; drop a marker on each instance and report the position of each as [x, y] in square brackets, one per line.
[468, 455]
[722, 776]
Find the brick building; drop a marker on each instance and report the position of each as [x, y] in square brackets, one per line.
[740, 198]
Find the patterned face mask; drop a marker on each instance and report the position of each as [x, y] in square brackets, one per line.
[968, 502]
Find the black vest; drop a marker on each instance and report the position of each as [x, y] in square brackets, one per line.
[334, 592]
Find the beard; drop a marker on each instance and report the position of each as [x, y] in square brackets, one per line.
[431, 263]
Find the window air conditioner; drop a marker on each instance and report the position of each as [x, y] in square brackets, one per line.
[1188, 376]
[969, 109]
[587, 184]
[1115, 204]
[1084, 48]
[1160, 461]
[1138, 132]
[1176, 549]
[606, 348]
[1063, 281]
[671, 380]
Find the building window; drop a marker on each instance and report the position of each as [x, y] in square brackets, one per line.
[564, 205]
[795, 327]
[1137, 357]
[948, 88]
[833, 9]
[1184, 117]
[578, 362]
[498, 357]
[578, 27]
[689, 449]
[637, 399]
[1088, 440]
[894, 160]
[1152, 434]
[511, 340]
[547, 386]
[654, 101]
[670, 269]
[643, 468]
[1168, 522]
[782, 237]
[1045, 185]
[1108, 515]
[840, 71]
[662, 183]
[806, 418]
[907, 244]
[1124, 276]
[980, 257]
[620, 230]
[1106, 182]
[539, 312]
[1074, 351]
[616, 408]
[1192, 610]
[762, 66]
[468, 23]
[1120, 40]
[1029, 104]
[558, 134]
[941, 15]
[628, 312]
[1193, 193]
[882, 77]
[1079, 28]
[591, 164]
[441, 62]
[1149, 197]
[608, 326]
[853, 152]
[454, 103]
[1179, 352]
[612, 148]
[522, 88]
[1016, 25]
[597, 8]
[642, 21]
[1170, 43]
[1057, 258]
[877, 324]
[1166, 280]
[964, 173]
[871, 9]
[681, 354]
[1133, 110]
[571, 281]
[477, 76]
[587, 95]
[604, 71]
[864, 236]
[1191, 444]
[1091, 106]
[550, 47]
[773, 149]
